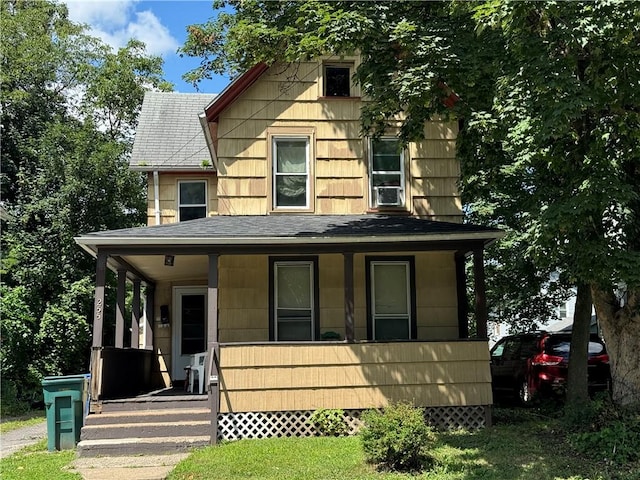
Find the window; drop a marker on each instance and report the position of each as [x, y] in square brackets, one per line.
[386, 179]
[294, 294]
[337, 81]
[390, 301]
[290, 172]
[192, 200]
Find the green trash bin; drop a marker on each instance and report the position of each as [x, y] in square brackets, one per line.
[65, 398]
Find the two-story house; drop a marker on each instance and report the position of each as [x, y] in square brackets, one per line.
[318, 268]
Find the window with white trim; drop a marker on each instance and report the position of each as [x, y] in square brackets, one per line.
[291, 182]
[293, 302]
[192, 199]
[390, 304]
[386, 173]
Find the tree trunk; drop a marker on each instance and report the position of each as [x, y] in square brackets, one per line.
[620, 322]
[577, 385]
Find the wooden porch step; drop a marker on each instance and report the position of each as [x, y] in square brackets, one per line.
[146, 416]
[155, 403]
[147, 430]
[146, 425]
[139, 446]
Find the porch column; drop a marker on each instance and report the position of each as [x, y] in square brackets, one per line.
[135, 315]
[149, 300]
[461, 290]
[98, 305]
[122, 283]
[348, 297]
[481, 297]
[213, 347]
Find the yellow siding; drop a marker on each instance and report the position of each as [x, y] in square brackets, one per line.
[353, 376]
[168, 194]
[244, 300]
[291, 98]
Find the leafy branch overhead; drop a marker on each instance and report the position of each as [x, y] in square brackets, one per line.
[547, 95]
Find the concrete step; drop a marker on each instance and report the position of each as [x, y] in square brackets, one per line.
[146, 416]
[146, 430]
[141, 446]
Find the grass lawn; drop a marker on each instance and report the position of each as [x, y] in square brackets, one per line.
[529, 449]
[32, 418]
[37, 463]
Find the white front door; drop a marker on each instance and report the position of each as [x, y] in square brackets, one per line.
[189, 326]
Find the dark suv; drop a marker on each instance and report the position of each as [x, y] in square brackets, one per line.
[536, 363]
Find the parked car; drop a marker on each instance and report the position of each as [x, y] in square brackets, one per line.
[536, 363]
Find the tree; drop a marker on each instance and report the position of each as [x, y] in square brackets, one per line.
[69, 106]
[547, 95]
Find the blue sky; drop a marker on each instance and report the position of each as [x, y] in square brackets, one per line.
[160, 24]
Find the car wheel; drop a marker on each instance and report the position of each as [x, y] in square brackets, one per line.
[524, 392]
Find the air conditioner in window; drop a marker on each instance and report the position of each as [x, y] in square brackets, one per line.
[388, 196]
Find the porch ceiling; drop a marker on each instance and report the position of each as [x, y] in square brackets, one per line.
[185, 267]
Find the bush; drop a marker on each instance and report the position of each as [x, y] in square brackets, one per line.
[64, 336]
[329, 422]
[397, 438]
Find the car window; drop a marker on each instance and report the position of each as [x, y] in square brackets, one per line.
[596, 348]
[511, 349]
[498, 350]
[558, 346]
[529, 347]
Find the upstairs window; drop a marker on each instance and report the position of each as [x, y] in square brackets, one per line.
[192, 200]
[290, 172]
[386, 179]
[337, 81]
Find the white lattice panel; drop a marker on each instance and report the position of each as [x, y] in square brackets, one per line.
[234, 426]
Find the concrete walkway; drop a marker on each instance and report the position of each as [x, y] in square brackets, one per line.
[143, 467]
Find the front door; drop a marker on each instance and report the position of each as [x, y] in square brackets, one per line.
[190, 327]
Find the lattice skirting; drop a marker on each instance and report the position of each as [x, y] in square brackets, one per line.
[234, 426]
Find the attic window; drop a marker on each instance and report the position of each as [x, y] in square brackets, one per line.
[337, 80]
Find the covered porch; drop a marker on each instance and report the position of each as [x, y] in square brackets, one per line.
[252, 372]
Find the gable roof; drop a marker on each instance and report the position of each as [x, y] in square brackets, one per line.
[233, 91]
[169, 135]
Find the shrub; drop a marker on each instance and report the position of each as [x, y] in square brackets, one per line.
[607, 432]
[397, 438]
[329, 422]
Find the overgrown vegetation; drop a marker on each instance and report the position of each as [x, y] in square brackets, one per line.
[397, 438]
[69, 105]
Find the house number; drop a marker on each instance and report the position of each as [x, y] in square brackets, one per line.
[98, 309]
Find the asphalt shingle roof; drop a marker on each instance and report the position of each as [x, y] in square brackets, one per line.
[169, 135]
[297, 226]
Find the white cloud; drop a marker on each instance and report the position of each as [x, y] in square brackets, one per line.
[117, 21]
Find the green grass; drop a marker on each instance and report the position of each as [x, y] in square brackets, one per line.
[528, 449]
[37, 463]
[32, 418]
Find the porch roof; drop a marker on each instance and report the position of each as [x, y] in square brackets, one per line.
[228, 231]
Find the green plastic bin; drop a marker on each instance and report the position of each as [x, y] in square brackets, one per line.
[65, 400]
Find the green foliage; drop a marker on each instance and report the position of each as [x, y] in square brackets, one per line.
[547, 98]
[68, 105]
[605, 431]
[329, 422]
[397, 438]
[64, 336]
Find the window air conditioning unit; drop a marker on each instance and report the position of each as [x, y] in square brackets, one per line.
[389, 196]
